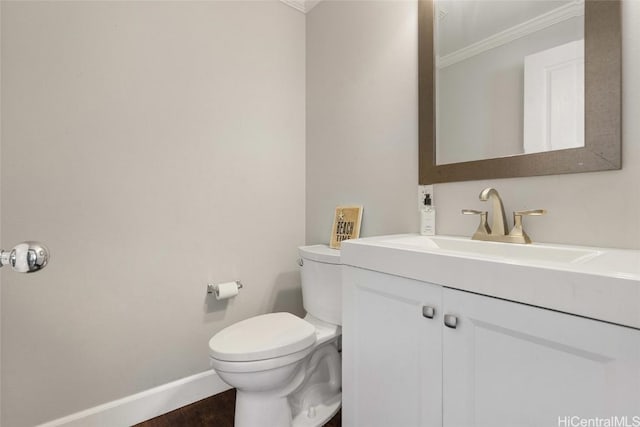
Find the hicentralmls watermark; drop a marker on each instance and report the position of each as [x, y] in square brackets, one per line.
[576, 421]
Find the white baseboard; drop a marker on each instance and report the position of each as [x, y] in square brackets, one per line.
[147, 404]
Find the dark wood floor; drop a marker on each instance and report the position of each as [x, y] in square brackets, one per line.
[215, 411]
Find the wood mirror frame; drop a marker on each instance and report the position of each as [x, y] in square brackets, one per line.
[603, 108]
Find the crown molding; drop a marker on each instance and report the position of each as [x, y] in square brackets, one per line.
[303, 6]
[562, 13]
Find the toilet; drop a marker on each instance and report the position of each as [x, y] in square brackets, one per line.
[287, 370]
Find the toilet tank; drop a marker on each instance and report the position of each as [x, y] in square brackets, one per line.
[321, 275]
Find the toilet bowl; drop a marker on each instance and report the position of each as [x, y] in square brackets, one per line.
[287, 370]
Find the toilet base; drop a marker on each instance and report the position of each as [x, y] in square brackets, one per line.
[261, 409]
[309, 393]
[319, 415]
[318, 400]
[276, 412]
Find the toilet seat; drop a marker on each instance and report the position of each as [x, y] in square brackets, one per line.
[264, 337]
[259, 365]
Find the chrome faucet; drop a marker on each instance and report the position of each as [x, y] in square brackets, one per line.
[498, 230]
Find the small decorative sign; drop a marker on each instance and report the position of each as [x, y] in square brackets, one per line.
[346, 225]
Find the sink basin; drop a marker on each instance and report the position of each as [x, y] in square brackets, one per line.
[516, 252]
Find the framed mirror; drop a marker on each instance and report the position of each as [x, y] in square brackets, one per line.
[489, 95]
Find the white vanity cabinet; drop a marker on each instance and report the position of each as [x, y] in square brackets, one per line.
[503, 364]
[391, 353]
[510, 364]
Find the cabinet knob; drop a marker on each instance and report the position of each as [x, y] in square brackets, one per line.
[428, 312]
[451, 321]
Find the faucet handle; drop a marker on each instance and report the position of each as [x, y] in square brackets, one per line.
[518, 231]
[530, 212]
[483, 228]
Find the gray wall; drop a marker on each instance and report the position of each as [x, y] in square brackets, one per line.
[364, 96]
[0, 214]
[362, 121]
[155, 147]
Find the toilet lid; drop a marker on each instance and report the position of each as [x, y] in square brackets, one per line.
[320, 253]
[262, 337]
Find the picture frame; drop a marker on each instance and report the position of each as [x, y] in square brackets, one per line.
[346, 224]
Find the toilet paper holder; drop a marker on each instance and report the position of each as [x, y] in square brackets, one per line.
[211, 287]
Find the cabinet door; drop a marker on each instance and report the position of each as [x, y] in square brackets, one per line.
[392, 354]
[513, 365]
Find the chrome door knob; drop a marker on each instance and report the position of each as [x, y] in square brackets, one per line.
[26, 257]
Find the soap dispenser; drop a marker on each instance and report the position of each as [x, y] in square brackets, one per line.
[427, 217]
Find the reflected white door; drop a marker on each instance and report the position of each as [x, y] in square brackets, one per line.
[554, 98]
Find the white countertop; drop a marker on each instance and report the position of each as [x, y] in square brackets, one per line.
[604, 284]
